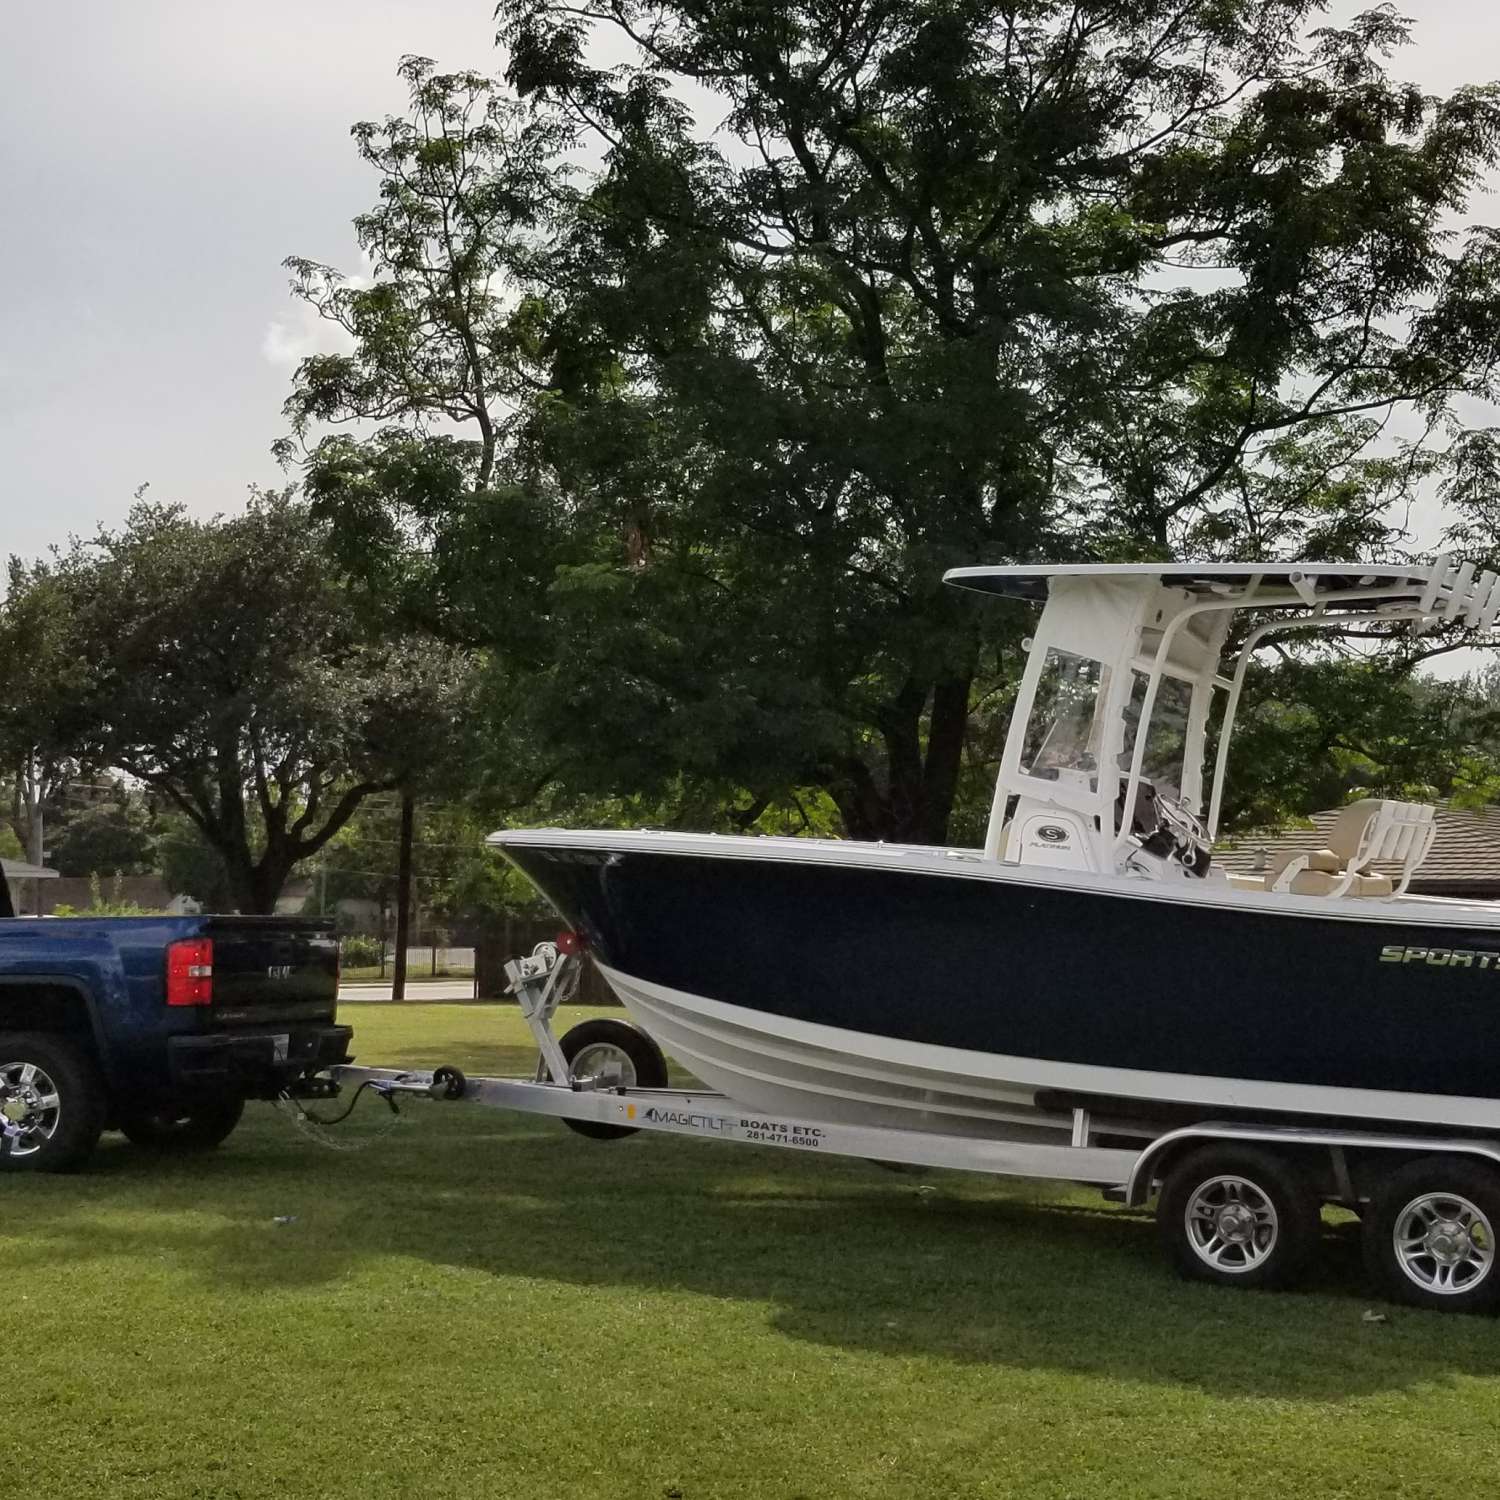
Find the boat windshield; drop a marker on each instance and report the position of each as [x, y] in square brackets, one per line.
[1166, 738]
[1066, 725]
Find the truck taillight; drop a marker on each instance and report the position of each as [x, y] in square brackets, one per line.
[190, 972]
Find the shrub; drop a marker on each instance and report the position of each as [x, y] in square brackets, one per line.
[113, 905]
[360, 952]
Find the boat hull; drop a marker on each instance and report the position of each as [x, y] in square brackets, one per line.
[946, 997]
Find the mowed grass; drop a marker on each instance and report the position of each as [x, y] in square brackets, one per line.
[480, 1304]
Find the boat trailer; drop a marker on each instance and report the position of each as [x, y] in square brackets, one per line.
[1217, 1223]
[605, 1099]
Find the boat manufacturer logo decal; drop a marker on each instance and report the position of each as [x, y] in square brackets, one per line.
[716, 1124]
[1440, 958]
[1052, 833]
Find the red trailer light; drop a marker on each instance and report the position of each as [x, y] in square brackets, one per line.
[570, 942]
[190, 972]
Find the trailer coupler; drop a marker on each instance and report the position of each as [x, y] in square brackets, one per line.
[443, 1083]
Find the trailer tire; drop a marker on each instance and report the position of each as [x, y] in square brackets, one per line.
[1238, 1216]
[58, 1138]
[199, 1126]
[1430, 1235]
[620, 1045]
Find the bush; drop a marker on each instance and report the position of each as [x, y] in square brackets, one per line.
[360, 952]
[100, 905]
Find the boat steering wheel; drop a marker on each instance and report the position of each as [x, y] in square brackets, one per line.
[1168, 829]
[1191, 845]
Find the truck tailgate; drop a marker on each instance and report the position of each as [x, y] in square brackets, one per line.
[269, 969]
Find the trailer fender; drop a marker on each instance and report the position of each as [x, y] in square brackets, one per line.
[1144, 1173]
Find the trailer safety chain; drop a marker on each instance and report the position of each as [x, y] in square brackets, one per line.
[316, 1127]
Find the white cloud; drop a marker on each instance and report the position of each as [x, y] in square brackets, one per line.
[300, 332]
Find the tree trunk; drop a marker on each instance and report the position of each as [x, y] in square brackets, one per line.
[946, 729]
[921, 781]
[257, 886]
[403, 895]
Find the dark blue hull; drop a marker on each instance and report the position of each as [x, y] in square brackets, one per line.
[1117, 989]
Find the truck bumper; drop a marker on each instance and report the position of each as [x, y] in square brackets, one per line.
[258, 1064]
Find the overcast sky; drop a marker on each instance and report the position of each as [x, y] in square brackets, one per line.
[158, 161]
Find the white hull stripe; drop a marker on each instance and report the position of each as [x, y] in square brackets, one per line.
[960, 1069]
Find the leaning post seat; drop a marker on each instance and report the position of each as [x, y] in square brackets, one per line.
[1366, 833]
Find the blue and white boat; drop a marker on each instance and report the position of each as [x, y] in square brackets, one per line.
[1090, 955]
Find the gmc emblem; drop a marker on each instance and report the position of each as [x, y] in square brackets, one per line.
[279, 971]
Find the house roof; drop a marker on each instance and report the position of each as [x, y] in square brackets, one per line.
[19, 869]
[1465, 853]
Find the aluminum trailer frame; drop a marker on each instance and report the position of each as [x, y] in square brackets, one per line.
[711, 1116]
[1128, 1174]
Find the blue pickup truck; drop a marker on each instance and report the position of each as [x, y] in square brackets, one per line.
[160, 1027]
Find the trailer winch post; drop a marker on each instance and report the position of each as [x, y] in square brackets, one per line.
[536, 982]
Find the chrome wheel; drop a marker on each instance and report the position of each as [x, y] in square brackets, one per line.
[1444, 1243]
[30, 1108]
[1231, 1224]
[610, 1064]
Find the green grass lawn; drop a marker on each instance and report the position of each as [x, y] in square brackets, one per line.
[486, 1305]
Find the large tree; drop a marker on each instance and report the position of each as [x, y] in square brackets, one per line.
[105, 835]
[907, 284]
[226, 666]
[38, 668]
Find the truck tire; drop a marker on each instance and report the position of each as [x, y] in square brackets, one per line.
[1238, 1216]
[619, 1047]
[51, 1103]
[200, 1126]
[1430, 1235]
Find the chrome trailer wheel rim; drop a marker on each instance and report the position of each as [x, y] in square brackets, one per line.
[611, 1065]
[30, 1109]
[1444, 1243]
[1231, 1224]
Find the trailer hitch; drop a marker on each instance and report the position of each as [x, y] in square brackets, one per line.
[311, 1087]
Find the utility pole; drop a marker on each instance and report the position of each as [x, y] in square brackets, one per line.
[403, 895]
[36, 843]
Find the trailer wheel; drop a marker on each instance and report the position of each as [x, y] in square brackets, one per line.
[1430, 1235]
[1238, 1216]
[51, 1104]
[617, 1051]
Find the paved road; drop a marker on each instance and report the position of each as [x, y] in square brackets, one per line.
[416, 989]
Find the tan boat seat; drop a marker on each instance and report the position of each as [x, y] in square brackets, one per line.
[1323, 861]
[1368, 832]
[1324, 883]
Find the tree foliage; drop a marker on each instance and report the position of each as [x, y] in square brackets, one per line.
[909, 284]
[111, 836]
[223, 665]
[1318, 729]
[37, 668]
